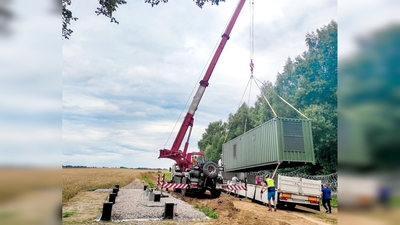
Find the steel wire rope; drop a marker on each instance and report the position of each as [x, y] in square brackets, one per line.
[251, 42]
[248, 107]
[284, 100]
[248, 82]
[251, 28]
[251, 46]
[198, 79]
[270, 106]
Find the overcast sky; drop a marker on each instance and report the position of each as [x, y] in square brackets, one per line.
[124, 86]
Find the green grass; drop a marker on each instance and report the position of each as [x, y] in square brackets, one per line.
[167, 177]
[6, 215]
[207, 211]
[67, 214]
[334, 201]
[148, 181]
[395, 201]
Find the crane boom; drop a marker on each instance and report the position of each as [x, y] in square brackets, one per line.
[174, 153]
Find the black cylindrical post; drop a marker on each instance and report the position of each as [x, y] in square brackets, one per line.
[107, 208]
[112, 198]
[157, 197]
[169, 211]
[144, 187]
[115, 190]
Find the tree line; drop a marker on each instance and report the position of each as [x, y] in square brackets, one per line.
[309, 83]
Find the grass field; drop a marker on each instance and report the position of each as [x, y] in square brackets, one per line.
[89, 179]
[18, 181]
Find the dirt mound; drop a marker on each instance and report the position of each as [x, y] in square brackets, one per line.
[222, 204]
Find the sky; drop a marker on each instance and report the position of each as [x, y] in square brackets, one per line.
[30, 84]
[125, 86]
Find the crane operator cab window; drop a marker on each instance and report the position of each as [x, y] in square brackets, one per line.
[194, 160]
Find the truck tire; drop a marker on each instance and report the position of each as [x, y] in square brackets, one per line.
[279, 204]
[316, 207]
[215, 193]
[210, 169]
[290, 205]
[183, 190]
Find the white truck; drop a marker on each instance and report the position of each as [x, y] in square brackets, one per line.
[290, 191]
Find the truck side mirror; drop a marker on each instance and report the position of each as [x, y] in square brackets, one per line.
[170, 169]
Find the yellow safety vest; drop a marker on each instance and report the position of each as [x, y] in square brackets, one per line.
[270, 182]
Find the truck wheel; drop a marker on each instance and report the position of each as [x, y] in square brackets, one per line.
[316, 207]
[210, 169]
[215, 193]
[280, 205]
[290, 205]
[183, 190]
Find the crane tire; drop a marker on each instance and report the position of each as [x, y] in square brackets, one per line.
[210, 169]
[215, 193]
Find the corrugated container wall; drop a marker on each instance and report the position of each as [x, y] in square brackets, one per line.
[284, 140]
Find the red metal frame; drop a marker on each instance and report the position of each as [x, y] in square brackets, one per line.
[176, 154]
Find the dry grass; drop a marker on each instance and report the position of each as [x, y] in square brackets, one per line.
[89, 179]
[19, 181]
[29, 195]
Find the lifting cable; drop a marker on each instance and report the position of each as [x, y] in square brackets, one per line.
[248, 83]
[255, 79]
[248, 106]
[265, 97]
[251, 34]
[251, 42]
[251, 38]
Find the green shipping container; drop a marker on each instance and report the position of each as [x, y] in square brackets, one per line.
[284, 140]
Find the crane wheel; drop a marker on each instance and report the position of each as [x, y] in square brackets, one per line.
[215, 193]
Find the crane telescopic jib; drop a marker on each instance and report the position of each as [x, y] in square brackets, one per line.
[181, 158]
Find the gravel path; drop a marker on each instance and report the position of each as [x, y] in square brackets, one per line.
[133, 204]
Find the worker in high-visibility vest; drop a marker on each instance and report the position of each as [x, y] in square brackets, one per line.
[271, 191]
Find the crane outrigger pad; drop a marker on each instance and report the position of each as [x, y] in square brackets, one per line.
[284, 140]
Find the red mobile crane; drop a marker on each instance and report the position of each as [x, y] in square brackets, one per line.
[202, 175]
